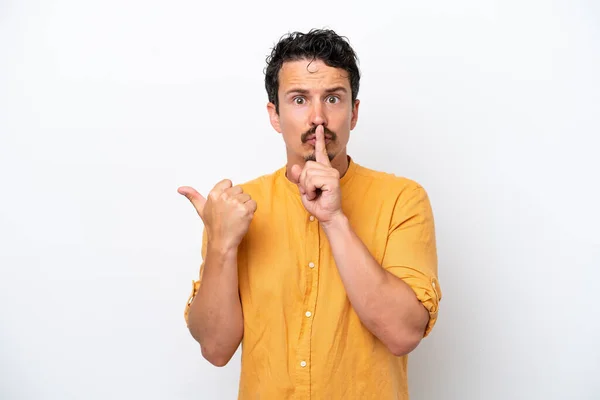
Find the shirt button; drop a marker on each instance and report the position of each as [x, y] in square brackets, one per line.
[308, 314]
[303, 364]
[312, 218]
[311, 264]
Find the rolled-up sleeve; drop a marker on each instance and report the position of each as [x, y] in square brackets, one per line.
[196, 283]
[410, 252]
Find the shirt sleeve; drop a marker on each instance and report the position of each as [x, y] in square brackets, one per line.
[411, 253]
[196, 283]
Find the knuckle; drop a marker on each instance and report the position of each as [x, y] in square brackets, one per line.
[222, 185]
[213, 195]
[235, 190]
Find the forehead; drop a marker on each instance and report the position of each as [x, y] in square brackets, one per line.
[311, 74]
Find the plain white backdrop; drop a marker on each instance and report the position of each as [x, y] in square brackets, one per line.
[106, 107]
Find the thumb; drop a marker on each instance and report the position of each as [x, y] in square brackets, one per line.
[197, 200]
[295, 173]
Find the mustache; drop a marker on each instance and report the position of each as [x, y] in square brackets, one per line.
[313, 130]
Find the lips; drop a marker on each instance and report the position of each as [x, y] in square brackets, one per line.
[313, 141]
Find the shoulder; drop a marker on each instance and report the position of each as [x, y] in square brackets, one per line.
[388, 183]
[399, 197]
[260, 185]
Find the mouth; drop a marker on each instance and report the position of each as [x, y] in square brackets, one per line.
[313, 140]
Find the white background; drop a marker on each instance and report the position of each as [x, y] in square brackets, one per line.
[106, 107]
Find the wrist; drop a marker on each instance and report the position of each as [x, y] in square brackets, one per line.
[222, 250]
[337, 222]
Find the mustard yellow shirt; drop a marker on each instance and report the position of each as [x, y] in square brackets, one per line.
[302, 339]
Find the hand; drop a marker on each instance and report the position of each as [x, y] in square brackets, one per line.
[319, 183]
[226, 213]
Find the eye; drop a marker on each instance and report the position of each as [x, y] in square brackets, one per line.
[333, 99]
[298, 100]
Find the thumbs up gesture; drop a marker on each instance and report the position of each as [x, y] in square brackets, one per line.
[226, 212]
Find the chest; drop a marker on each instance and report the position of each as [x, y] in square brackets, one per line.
[287, 255]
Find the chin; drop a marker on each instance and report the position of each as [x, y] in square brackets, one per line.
[312, 157]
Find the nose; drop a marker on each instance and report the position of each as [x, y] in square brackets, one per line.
[317, 115]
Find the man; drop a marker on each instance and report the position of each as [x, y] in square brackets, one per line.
[325, 270]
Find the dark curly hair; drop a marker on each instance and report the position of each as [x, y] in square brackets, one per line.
[318, 44]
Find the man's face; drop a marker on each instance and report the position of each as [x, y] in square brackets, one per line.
[311, 94]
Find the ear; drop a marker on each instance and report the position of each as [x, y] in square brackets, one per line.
[354, 114]
[274, 117]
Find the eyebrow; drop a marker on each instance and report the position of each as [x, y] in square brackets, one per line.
[304, 91]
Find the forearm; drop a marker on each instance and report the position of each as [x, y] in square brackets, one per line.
[216, 320]
[386, 305]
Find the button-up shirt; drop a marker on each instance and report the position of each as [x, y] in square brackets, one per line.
[302, 338]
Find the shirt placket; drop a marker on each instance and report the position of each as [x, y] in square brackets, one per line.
[311, 264]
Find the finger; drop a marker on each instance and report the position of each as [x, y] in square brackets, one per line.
[223, 185]
[320, 147]
[234, 191]
[295, 173]
[316, 183]
[242, 197]
[315, 168]
[197, 200]
[302, 180]
[219, 188]
[316, 165]
[251, 205]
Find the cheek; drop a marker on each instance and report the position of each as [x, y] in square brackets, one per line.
[293, 119]
[342, 120]
[297, 115]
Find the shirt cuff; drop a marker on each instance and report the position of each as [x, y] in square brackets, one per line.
[426, 288]
[195, 286]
